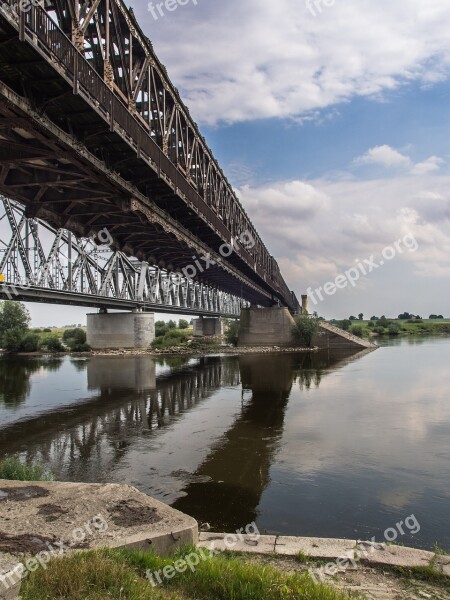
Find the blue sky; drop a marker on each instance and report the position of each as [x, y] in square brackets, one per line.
[412, 117]
[334, 130]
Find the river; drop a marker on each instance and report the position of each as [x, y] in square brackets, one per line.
[329, 445]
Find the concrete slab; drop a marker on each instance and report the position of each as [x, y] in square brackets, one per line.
[41, 516]
[335, 338]
[264, 544]
[442, 564]
[326, 548]
[399, 556]
[10, 577]
[372, 553]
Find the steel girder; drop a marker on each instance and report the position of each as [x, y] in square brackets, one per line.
[40, 263]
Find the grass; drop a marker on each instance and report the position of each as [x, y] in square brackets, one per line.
[120, 574]
[429, 574]
[427, 327]
[173, 338]
[183, 338]
[440, 551]
[11, 467]
[302, 558]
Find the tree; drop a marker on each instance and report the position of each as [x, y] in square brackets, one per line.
[160, 329]
[30, 343]
[361, 316]
[52, 343]
[353, 318]
[383, 322]
[12, 339]
[76, 340]
[305, 329]
[77, 335]
[405, 316]
[394, 329]
[374, 318]
[183, 324]
[171, 325]
[13, 315]
[232, 332]
[357, 330]
[345, 324]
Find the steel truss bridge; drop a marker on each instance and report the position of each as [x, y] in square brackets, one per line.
[40, 263]
[94, 136]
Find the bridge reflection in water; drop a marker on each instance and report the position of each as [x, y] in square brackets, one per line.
[237, 470]
[223, 417]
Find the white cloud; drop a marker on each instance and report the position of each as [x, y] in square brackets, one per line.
[385, 156]
[390, 158]
[318, 229]
[287, 202]
[236, 61]
[433, 163]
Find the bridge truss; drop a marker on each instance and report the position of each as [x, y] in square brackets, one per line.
[42, 264]
[94, 134]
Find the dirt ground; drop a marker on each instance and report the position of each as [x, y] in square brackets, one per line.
[376, 584]
[370, 583]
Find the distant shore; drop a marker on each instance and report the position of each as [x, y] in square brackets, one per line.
[174, 351]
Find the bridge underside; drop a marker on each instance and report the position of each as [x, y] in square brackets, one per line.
[67, 165]
[86, 197]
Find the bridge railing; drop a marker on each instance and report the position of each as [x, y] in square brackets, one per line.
[84, 78]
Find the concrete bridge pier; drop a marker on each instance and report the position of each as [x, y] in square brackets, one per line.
[273, 327]
[205, 326]
[120, 330]
[266, 327]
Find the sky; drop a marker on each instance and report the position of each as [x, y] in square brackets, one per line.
[332, 122]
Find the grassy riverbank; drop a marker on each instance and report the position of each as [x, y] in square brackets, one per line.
[396, 327]
[121, 574]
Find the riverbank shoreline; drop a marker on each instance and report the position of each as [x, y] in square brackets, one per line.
[112, 518]
[106, 524]
[174, 351]
[205, 351]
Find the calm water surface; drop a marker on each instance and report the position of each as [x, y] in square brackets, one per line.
[321, 444]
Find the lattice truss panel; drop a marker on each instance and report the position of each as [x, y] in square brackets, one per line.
[34, 256]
